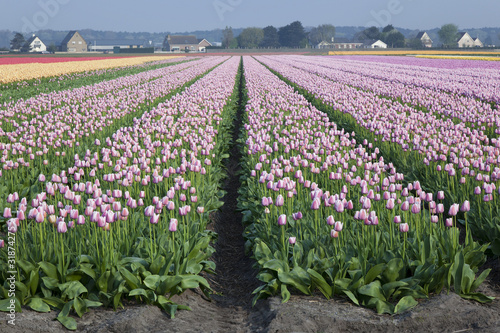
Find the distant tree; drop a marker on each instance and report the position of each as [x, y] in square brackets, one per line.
[227, 37]
[324, 32]
[27, 47]
[52, 48]
[415, 43]
[488, 41]
[250, 38]
[292, 35]
[394, 39]
[369, 33]
[448, 34]
[271, 38]
[17, 42]
[388, 28]
[234, 43]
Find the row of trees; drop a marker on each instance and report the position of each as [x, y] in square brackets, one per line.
[389, 35]
[292, 35]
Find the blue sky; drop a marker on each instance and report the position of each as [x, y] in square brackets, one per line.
[189, 15]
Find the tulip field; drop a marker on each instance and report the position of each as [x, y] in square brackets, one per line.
[372, 181]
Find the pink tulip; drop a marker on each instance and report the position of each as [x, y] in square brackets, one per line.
[338, 226]
[453, 209]
[404, 227]
[330, 220]
[7, 212]
[390, 204]
[282, 220]
[440, 195]
[316, 204]
[465, 206]
[415, 208]
[154, 219]
[172, 227]
[61, 227]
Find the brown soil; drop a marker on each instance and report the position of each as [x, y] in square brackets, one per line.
[231, 311]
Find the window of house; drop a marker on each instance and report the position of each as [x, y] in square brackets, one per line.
[73, 42]
[80, 42]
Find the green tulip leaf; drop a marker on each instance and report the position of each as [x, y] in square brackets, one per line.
[72, 289]
[67, 322]
[38, 305]
[405, 304]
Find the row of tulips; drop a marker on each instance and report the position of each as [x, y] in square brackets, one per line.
[443, 155]
[49, 142]
[18, 111]
[477, 79]
[326, 213]
[20, 72]
[417, 91]
[11, 92]
[133, 224]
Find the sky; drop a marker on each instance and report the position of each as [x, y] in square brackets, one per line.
[191, 15]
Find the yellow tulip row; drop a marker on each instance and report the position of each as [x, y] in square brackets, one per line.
[21, 72]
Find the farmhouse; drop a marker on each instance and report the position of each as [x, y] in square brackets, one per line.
[34, 44]
[73, 42]
[464, 40]
[478, 43]
[179, 43]
[339, 44]
[203, 44]
[111, 44]
[374, 44]
[424, 38]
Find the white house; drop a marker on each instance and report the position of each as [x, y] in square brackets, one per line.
[34, 44]
[478, 43]
[424, 38]
[374, 44]
[464, 40]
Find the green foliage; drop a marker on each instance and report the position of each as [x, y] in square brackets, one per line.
[250, 38]
[323, 32]
[292, 35]
[394, 39]
[228, 38]
[448, 35]
[271, 38]
[17, 42]
[369, 33]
